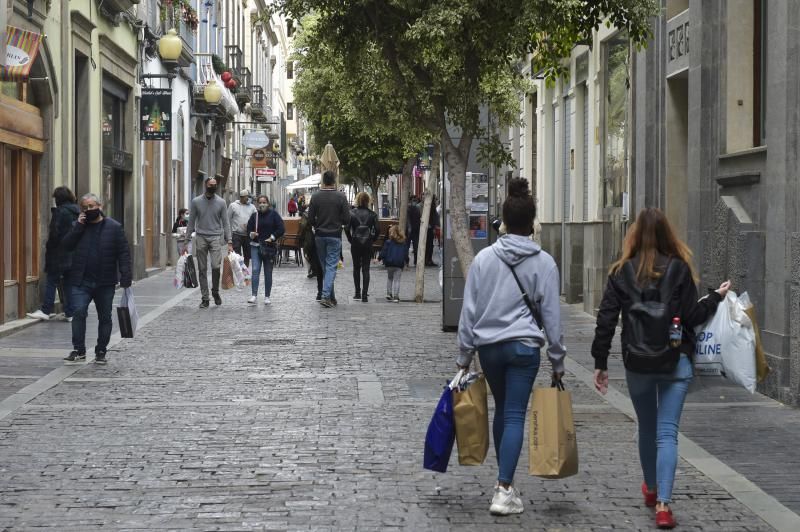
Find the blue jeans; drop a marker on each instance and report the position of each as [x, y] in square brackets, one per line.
[658, 401]
[510, 369]
[103, 297]
[257, 263]
[50, 289]
[329, 249]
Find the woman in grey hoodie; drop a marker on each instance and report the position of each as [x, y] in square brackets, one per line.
[497, 321]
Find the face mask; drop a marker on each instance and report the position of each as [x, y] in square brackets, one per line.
[185, 216]
[211, 190]
[92, 215]
[263, 208]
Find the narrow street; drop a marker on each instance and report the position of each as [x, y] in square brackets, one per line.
[296, 417]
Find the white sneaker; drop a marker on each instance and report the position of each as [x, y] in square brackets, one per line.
[506, 501]
[267, 301]
[38, 315]
[251, 300]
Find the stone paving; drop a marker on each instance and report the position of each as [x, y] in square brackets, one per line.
[296, 417]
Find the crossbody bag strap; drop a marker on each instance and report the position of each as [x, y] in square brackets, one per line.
[537, 316]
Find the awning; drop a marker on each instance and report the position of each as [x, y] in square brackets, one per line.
[311, 181]
[22, 47]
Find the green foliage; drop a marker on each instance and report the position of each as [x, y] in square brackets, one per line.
[446, 60]
[352, 106]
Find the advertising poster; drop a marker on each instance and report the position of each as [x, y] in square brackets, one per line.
[477, 192]
[478, 226]
[156, 108]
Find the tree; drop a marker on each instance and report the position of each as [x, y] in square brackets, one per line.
[354, 108]
[449, 59]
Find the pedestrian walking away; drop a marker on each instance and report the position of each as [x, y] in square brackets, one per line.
[504, 324]
[264, 228]
[57, 260]
[393, 255]
[239, 213]
[292, 206]
[101, 257]
[179, 231]
[310, 251]
[653, 285]
[208, 219]
[412, 230]
[328, 213]
[433, 225]
[301, 205]
[361, 233]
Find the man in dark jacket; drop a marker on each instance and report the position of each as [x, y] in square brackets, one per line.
[414, 222]
[57, 260]
[328, 213]
[433, 223]
[100, 251]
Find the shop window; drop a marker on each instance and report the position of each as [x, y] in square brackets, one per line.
[745, 79]
[615, 119]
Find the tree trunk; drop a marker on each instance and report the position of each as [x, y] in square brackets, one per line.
[430, 187]
[405, 192]
[458, 223]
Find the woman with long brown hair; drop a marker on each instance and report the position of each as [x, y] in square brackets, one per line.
[653, 284]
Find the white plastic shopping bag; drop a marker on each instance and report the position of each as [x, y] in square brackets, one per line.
[180, 267]
[726, 345]
[236, 267]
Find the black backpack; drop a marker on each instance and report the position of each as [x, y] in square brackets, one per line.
[363, 233]
[648, 318]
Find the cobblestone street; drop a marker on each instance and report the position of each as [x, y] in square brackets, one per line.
[296, 417]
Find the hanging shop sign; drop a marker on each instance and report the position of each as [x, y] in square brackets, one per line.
[156, 106]
[21, 49]
[255, 139]
[258, 159]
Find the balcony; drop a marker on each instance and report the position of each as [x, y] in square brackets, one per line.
[227, 109]
[234, 57]
[257, 110]
[243, 94]
[113, 9]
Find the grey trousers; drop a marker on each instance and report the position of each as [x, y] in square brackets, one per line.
[205, 245]
[393, 281]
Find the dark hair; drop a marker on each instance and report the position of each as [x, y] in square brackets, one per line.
[328, 178]
[262, 196]
[519, 209]
[181, 211]
[63, 195]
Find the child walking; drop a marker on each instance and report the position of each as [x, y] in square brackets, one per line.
[393, 256]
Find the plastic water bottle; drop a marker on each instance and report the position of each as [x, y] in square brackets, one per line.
[675, 332]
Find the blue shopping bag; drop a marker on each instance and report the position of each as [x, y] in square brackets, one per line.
[441, 434]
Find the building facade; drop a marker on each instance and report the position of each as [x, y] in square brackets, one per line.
[703, 124]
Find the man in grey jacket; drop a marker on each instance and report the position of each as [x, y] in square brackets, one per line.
[208, 219]
[239, 213]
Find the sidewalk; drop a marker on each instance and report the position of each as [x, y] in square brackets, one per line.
[33, 351]
[296, 417]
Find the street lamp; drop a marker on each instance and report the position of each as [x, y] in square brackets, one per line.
[170, 47]
[212, 93]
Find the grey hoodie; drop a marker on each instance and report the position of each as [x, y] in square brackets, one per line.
[494, 311]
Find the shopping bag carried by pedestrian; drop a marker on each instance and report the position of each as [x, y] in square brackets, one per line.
[180, 270]
[227, 274]
[553, 444]
[190, 273]
[726, 345]
[441, 433]
[762, 366]
[237, 262]
[126, 314]
[471, 417]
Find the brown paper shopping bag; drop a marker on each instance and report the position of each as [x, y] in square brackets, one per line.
[762, 367]
[227, 274]
[472, 423]
[553, 446]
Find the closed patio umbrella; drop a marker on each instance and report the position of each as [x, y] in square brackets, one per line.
[330, 161]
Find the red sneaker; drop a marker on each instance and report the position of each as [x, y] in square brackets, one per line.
[649, 496]
[664, 519]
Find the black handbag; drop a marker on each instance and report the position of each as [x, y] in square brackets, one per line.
[190, 273]
[266, 250]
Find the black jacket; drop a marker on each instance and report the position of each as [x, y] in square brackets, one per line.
[328, 212]
[56, 258]
[414, 218]
[683, 304]
[269, 223]
[362, 216]
[111, 250]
